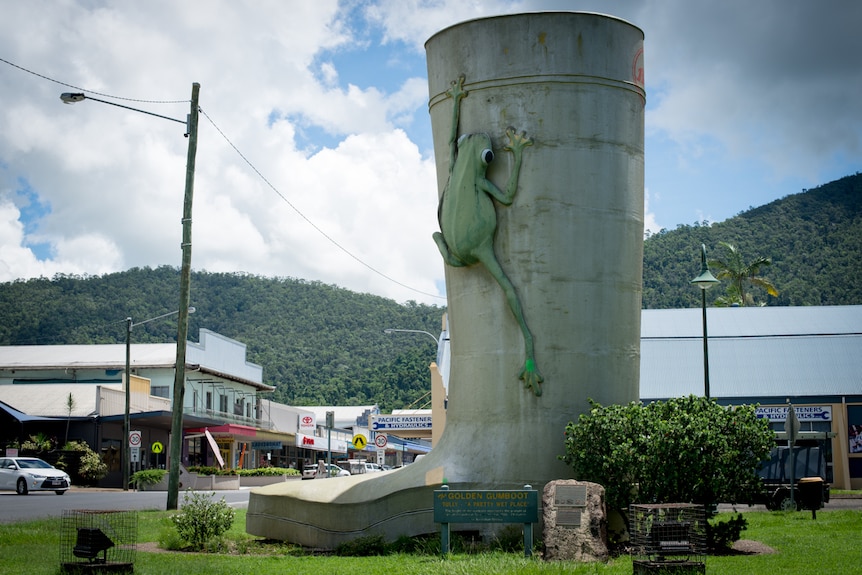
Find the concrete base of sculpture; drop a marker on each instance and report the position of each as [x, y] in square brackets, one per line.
[326, 512]
[571, 243]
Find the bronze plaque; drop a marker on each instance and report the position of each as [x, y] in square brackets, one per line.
[568, 517]
[570, 496]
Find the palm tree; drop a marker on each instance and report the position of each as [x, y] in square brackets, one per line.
[740, 273]
[70, 407]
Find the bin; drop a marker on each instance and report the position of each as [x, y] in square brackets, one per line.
[811, 493]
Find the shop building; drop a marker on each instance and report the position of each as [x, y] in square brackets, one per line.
[223, 393]
[810, 357]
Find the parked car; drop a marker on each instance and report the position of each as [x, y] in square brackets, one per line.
[25, 474]
[357, 467]
[314, 471]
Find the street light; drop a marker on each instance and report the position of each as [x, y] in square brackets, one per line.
[127, 456]
[704, 281]
[191, 133]
[429, 334]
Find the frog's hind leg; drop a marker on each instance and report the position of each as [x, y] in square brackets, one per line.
[448, 257]
[530, 373]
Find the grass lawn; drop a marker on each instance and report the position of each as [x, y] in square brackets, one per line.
[831, 544]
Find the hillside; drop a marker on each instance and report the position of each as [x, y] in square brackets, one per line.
[814, 239]
[318, 344]
[323, 345]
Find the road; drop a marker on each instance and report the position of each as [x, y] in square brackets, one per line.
[36, 505]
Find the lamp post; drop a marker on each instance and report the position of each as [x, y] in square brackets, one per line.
[191, 133]
[704, 281]
[428, 333]
[127, 456]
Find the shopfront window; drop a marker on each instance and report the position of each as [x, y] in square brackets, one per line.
[854, 431]
[110, 452]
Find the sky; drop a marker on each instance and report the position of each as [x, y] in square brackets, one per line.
[314, 152]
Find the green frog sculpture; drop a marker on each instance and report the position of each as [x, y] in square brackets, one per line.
[468, 218]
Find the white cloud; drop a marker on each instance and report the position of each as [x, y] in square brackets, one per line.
[651, 225]
[734, 90]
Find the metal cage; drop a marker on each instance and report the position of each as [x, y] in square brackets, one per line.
[98, 541]
[668, 538]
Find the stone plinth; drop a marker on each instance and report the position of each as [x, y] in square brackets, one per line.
[575, 522]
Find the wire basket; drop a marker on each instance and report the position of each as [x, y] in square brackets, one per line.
[98, 541]
[668, 538]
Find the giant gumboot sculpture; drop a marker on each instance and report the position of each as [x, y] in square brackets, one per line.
[550, 107]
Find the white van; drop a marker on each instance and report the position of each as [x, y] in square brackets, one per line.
[360, 466]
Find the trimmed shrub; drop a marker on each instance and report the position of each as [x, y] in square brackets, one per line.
[147, 477]
[201, 519]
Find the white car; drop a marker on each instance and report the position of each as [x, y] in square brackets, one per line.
[314, 471]
[26, 474]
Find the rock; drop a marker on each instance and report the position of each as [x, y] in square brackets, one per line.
[575, 521]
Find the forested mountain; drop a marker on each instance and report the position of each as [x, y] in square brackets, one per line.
[813, 238]
[324, 345]
[318, 344]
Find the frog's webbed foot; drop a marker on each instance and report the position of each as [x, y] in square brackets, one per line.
[457, 90]
[517, 142]
[532, 377]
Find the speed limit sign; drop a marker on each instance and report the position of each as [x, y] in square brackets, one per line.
[134, 439]
[380, 440]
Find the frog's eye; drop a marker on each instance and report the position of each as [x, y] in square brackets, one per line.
[487, 156]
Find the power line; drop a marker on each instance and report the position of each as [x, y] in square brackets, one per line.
[245, 159]
[304, 217]
[78, 88]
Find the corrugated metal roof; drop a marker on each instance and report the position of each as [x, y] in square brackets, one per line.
[780, 352]
[215, 354]
[87, 356]
[51, 399]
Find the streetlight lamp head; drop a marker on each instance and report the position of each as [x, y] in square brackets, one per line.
[191, 309]
[71, 98]
[705, 280]
[387, 330]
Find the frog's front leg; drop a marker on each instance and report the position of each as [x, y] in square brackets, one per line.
[516, 145]
[457, 93]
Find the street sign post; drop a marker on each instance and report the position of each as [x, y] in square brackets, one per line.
[359, 442]
[401, 422]
[791, 427]
[134, 439]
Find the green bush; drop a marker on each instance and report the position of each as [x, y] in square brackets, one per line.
[684, 450]
[211, 470]
[92, 467]
[38, 443]
[267, 472]
[146, 477]
[201, 519]
[721, 535]
[259, 472]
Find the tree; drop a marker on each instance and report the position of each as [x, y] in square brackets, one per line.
[684, 450]
[70, 407]
[739, 273]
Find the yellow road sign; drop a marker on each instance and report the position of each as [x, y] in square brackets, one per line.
[359, 441]
[157, 447]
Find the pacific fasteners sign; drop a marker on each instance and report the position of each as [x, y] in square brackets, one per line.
[400, 422]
